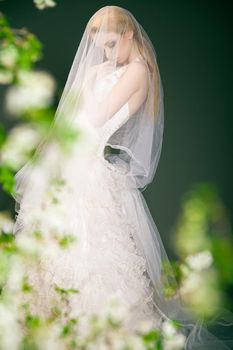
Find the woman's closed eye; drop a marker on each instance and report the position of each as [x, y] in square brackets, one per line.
[110, 44]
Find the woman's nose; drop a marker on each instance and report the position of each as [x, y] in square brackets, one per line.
[108, 53]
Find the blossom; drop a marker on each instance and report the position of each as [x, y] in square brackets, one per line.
[168, 329]
[42, 4]
[22, 139]
[48, 338]
[8, 56]
[53, 218]
[175, 343]
[191, 283]
[15, 276]
[172, 339]
[115, 308]
[29, 244]
[146, 325]
[6, 222]
[35, 89]
[200, 261]
[6, 76]
[10, 335]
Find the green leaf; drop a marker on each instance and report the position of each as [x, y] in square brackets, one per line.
[3, 135]
[7, 180]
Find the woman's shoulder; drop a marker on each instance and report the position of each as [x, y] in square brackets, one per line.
[138, 66]
[137, 69]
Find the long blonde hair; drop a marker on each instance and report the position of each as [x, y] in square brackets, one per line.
[120, 21]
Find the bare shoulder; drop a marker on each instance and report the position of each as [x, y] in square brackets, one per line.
[137, 70]
[138, 66]
[137, 74]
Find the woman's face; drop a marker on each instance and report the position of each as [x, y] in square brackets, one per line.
[116, 47]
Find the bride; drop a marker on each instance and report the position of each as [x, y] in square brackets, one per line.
[113, 99]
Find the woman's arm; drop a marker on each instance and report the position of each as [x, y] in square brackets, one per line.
[132, 87]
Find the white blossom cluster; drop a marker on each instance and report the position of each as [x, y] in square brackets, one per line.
[200, 261]
[8, 58]
[172, 339]
[6, 223]
[192, 270]
[35, 89]
[199, 286]
[42, 4]
[21, 140]
[90, 333]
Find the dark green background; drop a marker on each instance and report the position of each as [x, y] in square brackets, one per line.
[193, 41]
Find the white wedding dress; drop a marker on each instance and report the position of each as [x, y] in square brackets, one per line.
[99, 207]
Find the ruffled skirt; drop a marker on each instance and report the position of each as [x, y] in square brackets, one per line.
[97, 208]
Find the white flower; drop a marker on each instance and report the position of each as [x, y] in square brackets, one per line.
[175, 343]
[116, 309]
[84, 326]
[10, 335]
[42, 4]
[146, 325]
[135, 343]
[168, 329]
[15, 276]
[8, 56]
[191, 283]
[28, 243]
[5, 77]
[53, 218]
[118, 342]
[35, 90]
[6, 222]
[200, 261]
[21, 141]
[125, 340]
[49, 338]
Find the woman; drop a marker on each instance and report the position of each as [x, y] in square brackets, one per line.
[113, 98]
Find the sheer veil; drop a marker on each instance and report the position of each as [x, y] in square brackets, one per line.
[137, 140]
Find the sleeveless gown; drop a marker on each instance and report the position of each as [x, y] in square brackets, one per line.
[97, 206]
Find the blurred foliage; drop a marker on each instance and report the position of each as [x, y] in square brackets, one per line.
[19, 49]
[31, 100]
[21, 327]
[203, 241]
[7, 179]
[3, 134]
